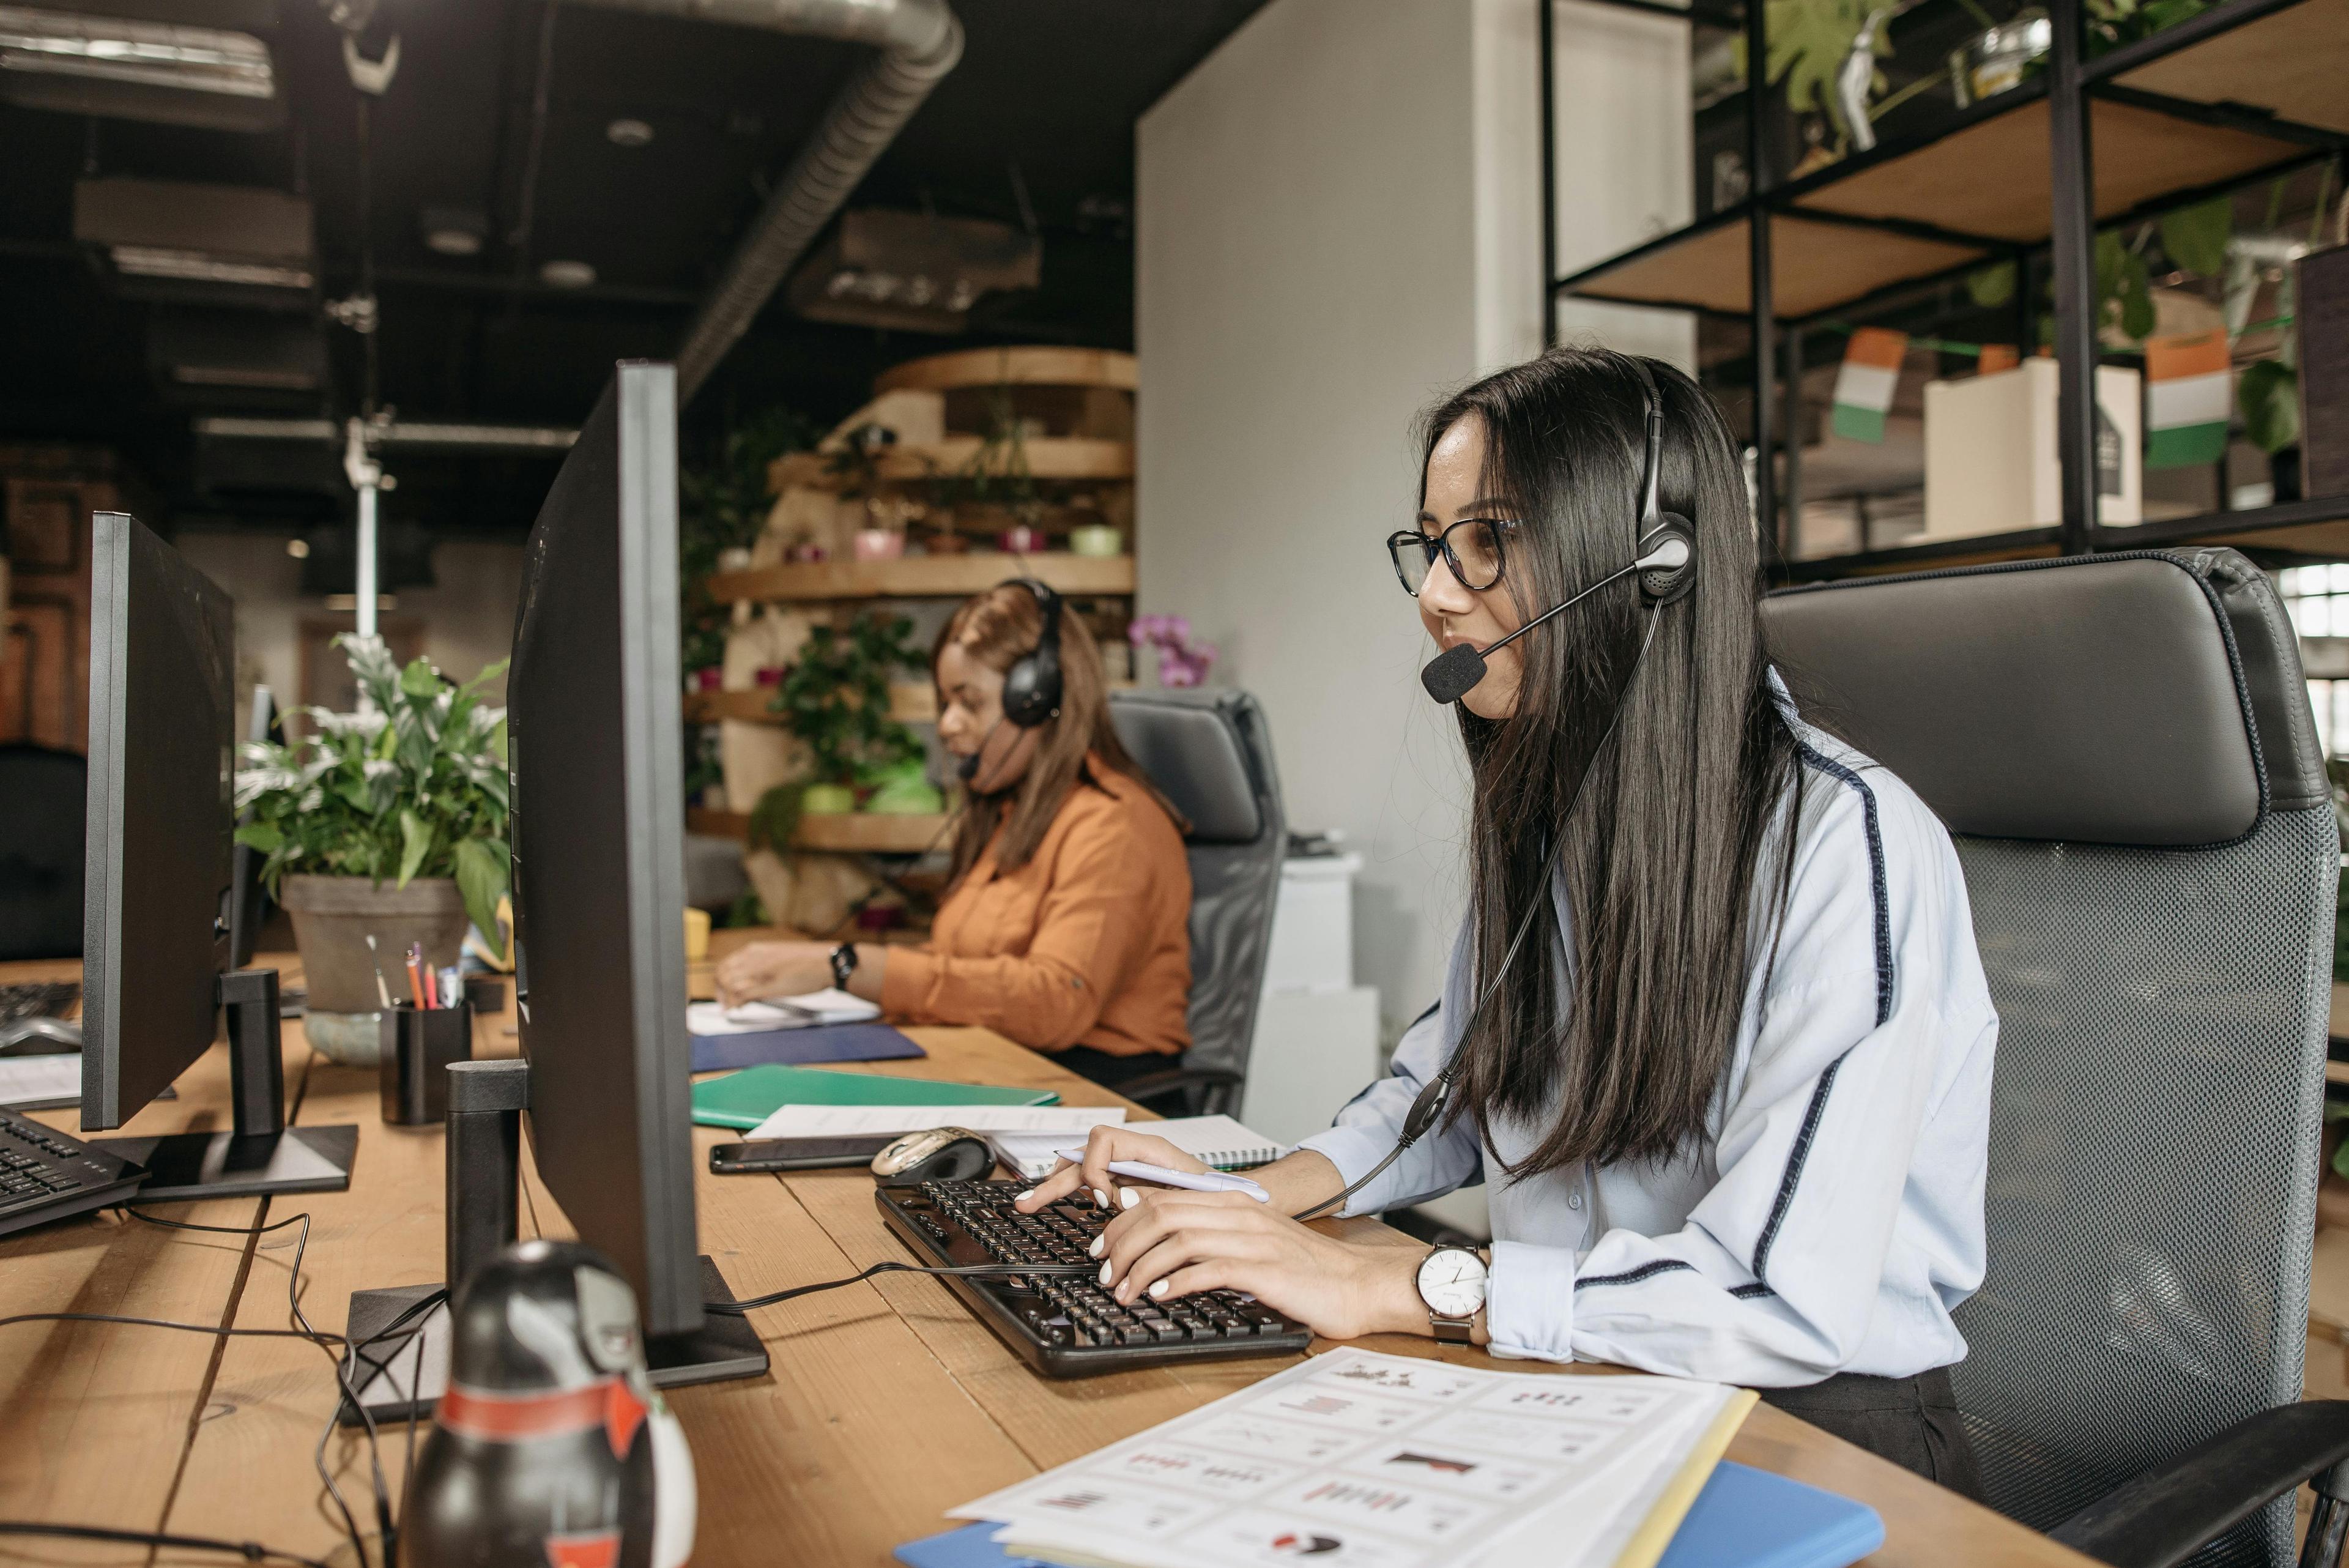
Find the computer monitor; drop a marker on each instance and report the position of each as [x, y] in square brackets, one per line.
[156, 971]
[595, 734]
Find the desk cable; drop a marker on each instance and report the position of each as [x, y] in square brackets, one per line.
[251, 1551]
[959, 1271]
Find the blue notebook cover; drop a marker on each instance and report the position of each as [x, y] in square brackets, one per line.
[1743, 1519]
[801, 1047]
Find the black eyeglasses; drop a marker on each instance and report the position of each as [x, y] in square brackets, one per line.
[1471, 548]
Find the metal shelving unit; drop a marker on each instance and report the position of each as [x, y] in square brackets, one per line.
[2247, 90]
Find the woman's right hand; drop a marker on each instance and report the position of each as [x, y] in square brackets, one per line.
[1091, 1174]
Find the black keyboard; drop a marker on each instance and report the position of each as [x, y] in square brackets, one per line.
[44, 1174]
[1069, 1326]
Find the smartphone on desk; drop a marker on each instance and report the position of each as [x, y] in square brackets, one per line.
[795, 1154]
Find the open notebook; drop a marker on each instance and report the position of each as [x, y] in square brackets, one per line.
[1218, 1141]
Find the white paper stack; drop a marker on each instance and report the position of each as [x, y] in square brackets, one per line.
[1389, 1462]
[808, 1011]
[1061, 1123]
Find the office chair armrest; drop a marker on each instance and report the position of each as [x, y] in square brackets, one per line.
[1221, 1085]
[2166, 1516]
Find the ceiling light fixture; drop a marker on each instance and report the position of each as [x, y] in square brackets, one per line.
[454, 230]
[629, 133]
[567, 275]
[141, 54]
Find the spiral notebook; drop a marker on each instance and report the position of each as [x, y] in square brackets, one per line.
[1218, 1141]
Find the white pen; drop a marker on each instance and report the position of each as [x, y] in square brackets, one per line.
[1207, 1181]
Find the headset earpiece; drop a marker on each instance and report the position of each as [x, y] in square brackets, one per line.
[1657, 528]
[1031, 687]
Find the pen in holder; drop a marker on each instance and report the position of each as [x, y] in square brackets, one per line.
[418, 1044]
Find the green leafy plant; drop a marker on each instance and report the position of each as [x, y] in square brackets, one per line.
[413, 784]
[836, 698]
[2112, 22]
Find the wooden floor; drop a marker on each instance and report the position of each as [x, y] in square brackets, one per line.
[888, 1403]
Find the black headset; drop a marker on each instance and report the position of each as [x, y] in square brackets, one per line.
[1659, 584]
[1031, 687]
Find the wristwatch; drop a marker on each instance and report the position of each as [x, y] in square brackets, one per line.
[1451, 1283]
[843, 964]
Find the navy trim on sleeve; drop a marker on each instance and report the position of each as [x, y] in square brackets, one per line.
[1884, 981]
[1754, 1292]
[1633, 1276]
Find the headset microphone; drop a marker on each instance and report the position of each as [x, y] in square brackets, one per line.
[1454, 673]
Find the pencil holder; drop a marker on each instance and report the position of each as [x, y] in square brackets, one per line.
[418, 1044]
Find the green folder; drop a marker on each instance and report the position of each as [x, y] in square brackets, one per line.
[746, 1098]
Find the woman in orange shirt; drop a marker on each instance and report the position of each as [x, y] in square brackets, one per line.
[1066, 924]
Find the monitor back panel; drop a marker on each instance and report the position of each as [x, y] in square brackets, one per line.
[162, 765]
[595, 727]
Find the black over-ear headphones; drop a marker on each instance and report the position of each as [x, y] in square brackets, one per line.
[1662, 584]
[1031, 687]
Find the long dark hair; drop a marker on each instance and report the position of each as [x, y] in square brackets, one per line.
[996, 627]
[1663, 855]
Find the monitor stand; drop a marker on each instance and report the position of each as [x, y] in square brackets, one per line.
[398, 1359]
[261, 1155]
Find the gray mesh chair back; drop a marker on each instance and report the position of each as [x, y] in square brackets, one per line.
[42, 825]
[2122, 747]
[1209, 754]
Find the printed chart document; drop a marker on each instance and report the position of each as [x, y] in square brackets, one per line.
[1387, 1461]
[849, 1121]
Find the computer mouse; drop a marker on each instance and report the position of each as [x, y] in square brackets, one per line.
[933, 1154]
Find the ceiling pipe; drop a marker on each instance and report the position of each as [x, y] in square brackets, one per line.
[920, 41]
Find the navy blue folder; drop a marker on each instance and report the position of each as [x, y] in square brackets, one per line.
[801, 1047]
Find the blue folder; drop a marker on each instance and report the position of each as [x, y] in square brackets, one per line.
[801, 1047]
[1743, 1519]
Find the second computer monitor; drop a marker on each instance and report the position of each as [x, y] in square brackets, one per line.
[595, 732]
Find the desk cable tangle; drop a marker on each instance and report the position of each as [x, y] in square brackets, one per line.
[254, 1551]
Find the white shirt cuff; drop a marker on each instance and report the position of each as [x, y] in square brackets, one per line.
[1529, 1301]
[1354, 1150]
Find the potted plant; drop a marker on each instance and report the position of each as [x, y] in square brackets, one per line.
[390, 821]
[835, 698]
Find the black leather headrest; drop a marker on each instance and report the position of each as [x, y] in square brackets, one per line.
[2148, 698]
[1191, 746]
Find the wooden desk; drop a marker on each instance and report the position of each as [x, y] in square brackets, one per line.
[887, 1402]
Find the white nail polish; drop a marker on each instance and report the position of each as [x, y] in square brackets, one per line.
[1158, 1288]
[1099, 1243]
[1100, 1199]
[1128, 1197]
[1105, 1271]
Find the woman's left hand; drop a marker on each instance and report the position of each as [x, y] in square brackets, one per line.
[1170, 1242]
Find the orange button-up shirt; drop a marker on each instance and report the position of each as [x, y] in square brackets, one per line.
[1087, 944]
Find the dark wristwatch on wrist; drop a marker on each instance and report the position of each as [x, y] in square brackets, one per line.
[843, 964]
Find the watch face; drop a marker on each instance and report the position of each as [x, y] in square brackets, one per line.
[1451, 1283]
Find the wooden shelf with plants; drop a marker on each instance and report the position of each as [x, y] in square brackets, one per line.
[2094, 145]
[965, 469]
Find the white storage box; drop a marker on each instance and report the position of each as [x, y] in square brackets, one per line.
[1313, 924]
[1989, 452]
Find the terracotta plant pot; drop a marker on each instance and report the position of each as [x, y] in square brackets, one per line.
[332, 919]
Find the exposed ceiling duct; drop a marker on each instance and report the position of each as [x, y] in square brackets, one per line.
[396, 434]
[919, 42]
[129, 69]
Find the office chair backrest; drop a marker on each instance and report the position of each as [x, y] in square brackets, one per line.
[1208, 752]
[46, 801]
[2124, 749]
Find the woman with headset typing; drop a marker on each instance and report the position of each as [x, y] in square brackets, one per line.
[1066, 922]
[1714, 1032]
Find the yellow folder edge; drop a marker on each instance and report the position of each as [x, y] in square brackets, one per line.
[1663, 1521]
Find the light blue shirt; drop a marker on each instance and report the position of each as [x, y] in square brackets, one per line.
[1830, 1217]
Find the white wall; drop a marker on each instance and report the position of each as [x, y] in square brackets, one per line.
[468, 613]
[1339, 218]
[1306, 258]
